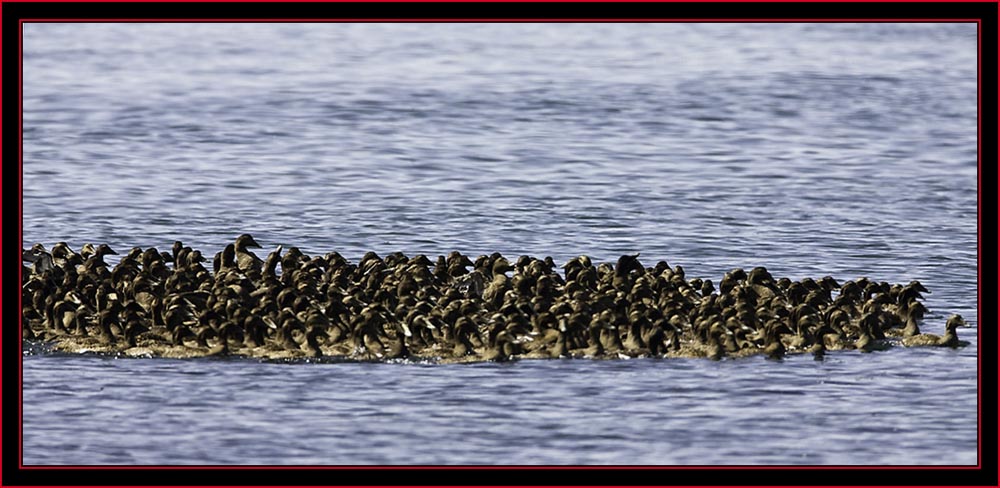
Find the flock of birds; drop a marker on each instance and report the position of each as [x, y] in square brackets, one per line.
[290, 305]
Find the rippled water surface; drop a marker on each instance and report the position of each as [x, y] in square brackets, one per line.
[812, 149]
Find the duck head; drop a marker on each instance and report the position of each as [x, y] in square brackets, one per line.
[501, 266]
[88, 250]
[828, 283]
[246, 240]
[628, 263]
[955, 321]
[228, 258]
[104, 250]
[61, 250]
[760, 276]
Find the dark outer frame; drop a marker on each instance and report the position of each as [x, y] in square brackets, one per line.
[13, 14]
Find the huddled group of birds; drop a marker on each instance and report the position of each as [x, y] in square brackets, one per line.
[453, 309]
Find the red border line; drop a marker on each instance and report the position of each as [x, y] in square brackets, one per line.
[979, 251]
[979, 231]
[20, 231]
[19, 111]
[500, 1]
[493, 21]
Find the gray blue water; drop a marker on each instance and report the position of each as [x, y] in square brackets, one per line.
[812, 149]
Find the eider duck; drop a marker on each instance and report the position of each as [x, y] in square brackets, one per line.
[950, 338]
[246, 260]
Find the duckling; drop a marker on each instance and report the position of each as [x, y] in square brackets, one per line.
[801, 338]
[715, 349]
[504, 350]
[471, 285]
[365, 336]
[493, 294]
[271, 263]
[762, 283]
[64, 314]
[64, 256]
[773, 347]
[611, 341]
[912, 313]
[731, 279]
[457, 262]
[95, 263]
[828, 284]
[950, 338]
[910, 292]
[818, 347]
[707, 288]
[41, 260]
[461, 344]
[551, 346]
[246, 260]
[572, 267]
[595, 347]
[80, 324]
[125, 271]
[866, 342]
[133, 329]
[225, 260]
[440, 271]
[254, 330]
[311, 344]
[706, 344]
[623, 270]
[654, 337]
[179, 334]
[397, 346]
[634, 346]
[27, 333]
[221, 348]
[88, 250]
[284, 328]
[107, 318]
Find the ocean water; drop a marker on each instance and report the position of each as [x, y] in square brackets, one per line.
[811, 149]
